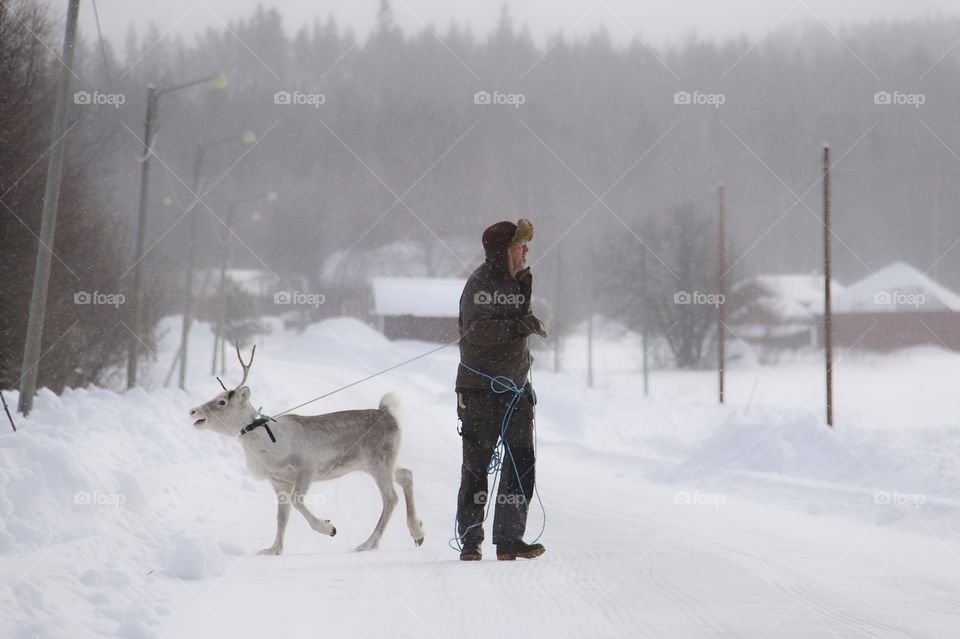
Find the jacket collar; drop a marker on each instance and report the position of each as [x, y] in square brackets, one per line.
[497, 259]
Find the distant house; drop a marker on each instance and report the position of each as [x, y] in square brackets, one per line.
[778, 311]
[896, 307]
[417, 307]
[347, 274]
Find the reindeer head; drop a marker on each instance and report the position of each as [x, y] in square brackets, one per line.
[230, 410]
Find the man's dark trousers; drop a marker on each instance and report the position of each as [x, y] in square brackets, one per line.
[481, 414]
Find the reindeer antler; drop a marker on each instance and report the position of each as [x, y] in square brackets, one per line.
[245, 365]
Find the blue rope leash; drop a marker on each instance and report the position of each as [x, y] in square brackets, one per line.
[500, 384]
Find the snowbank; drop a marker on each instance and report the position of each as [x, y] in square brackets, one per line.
[84, 540]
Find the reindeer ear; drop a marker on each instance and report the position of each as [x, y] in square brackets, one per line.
[243, 393]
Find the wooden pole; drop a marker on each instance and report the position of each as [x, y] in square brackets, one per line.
[48, 219]
[827, 266]
[133, 345]
[722, 290]
[188, 278]
[218, 338]
[593, 265]
[557, 291]
[644, 320]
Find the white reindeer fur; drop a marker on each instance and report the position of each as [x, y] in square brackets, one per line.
[317, 448]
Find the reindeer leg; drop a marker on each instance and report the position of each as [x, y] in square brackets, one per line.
[404, 477]
[322, 526]
[384, 479]
[283, 515]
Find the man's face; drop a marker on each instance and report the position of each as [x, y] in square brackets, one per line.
[518, 258]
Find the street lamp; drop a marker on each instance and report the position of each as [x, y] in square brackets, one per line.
[201, 149]
[153, 98]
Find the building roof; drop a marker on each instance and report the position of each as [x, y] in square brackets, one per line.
[402, 258]
[788, 297]
[417, 296]
[897, 288]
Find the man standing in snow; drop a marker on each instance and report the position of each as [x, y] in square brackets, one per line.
[495, 322]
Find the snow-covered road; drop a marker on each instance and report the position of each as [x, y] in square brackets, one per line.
[624, 560]
[664, 517]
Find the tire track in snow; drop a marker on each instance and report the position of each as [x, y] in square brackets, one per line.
[690, 603]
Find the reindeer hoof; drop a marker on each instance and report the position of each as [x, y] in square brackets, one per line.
[366, 546]
[270, 551]
[418, 542]
[333, 533]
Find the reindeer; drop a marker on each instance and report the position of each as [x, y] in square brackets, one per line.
[293, 451]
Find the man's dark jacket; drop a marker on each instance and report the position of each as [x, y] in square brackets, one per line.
[493, 340]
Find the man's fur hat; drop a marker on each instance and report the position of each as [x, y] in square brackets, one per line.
[504, 234]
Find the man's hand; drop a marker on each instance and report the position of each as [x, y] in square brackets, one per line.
[531, 325]
[525, 277]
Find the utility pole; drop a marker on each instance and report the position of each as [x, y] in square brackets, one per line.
[218, 337]
[722, 289]
[827, 266]
[48, 219]
[153, 98]
[134, 340]
[557, 296]
[593, 265]
[188, 279]
[644, 319]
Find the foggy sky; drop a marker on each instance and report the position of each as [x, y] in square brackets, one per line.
[656, 21]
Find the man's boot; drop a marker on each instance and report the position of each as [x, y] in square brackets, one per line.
[509, 551]
[470, 550]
